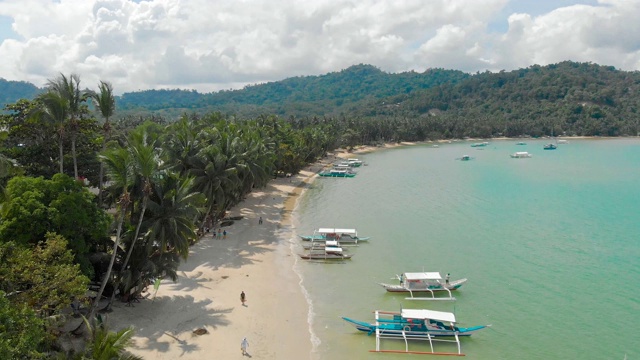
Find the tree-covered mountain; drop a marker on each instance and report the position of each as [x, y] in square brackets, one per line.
[12, 91]
[297, 96]
[564, 98]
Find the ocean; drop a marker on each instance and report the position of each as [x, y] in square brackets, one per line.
[549, 245]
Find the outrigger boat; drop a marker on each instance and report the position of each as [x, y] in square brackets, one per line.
[345, 236]
[315, 245]
[415, 324]
[337, 173]
[424, 282]
[327, 252]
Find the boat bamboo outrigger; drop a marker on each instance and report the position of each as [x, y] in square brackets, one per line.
[345, 236]
[331, 251]
[424, 283]
[416, 324]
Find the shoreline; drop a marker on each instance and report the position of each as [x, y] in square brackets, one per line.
[254, 258]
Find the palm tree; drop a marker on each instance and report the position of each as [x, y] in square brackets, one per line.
[145, 166]
[119, 165]
[105, 103]
[109, 345]
[173, 208]
[54, 109]
[69, 88]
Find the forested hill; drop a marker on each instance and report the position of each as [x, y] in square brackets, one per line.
[12, 91]
[298, 96]
[566, 98]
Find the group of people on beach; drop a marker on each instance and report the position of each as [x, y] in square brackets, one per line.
[221, 234]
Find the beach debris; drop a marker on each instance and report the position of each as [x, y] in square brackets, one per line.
[200, 331]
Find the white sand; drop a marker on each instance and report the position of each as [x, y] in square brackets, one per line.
[255, 259]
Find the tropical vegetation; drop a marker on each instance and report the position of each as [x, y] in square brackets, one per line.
[97, 202]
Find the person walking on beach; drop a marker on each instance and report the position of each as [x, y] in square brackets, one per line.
[244, 345]
[260, 221]
[243, 298]
[219, 233]
[224, 234]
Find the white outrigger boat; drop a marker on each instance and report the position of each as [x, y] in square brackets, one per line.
[344, 236]
[416, 324]
[328, 252]
[424, 282]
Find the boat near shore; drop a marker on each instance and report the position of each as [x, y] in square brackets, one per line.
[344, 236]
[413, 283]
[326, 253]
[416, 324]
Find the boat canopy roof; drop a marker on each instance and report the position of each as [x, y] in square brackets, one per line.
[331, 243]
[333, 249]
[337, 231]
[422, 276]
[428, 314]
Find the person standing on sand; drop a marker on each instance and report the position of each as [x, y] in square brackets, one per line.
[219, 233]
[446, 279]
[243, 298]
[244, 345]
[260, 221]
[224, 234]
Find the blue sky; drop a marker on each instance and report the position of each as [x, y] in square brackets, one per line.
[227, 44]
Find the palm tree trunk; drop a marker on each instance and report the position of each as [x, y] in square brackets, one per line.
[126, 259]
[61, 154]
[73, 153]
[94, 305]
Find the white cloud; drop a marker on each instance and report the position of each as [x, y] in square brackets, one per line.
[222, 44]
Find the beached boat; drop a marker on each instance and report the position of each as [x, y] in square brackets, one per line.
[482, 144]
[550, 147]
[326, 253]
[520, 155]
[465, 158]
[355, 162]
[424, 283]
[415, 324]
[318, 244]
[345, 236]
[337, 173]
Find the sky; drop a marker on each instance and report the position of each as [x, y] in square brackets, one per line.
[212, 45]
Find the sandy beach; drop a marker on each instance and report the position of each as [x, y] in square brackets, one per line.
[254, 258]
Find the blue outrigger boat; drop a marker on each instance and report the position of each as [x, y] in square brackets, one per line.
[415, 324]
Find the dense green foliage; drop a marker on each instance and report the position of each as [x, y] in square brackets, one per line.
[36, 206]
[22, 331]
[41, 276]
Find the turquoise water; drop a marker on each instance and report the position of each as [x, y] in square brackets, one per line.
[549, 245]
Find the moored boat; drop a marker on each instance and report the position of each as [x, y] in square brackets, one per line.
[327, 252]
[550, 147]
[424, 283]
[482, 144]
[521, 143]
[520, 155]
[337, 173]
[415, 324]
[465, 158]
[345, 236]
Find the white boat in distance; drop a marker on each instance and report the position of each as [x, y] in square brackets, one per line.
[345, 236]
[520, 155]
[424, 282]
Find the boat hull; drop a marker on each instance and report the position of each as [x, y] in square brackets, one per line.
[424, 288]
[399, 327]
